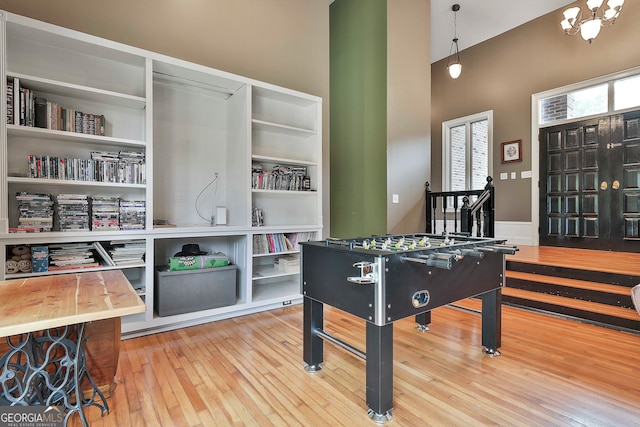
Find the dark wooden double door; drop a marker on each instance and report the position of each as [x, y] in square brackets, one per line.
[590, 184]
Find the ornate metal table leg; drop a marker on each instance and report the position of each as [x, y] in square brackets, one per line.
[49, 370]
[79, 373]
[20, 378]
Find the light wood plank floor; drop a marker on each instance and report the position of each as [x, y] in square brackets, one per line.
[248, 371]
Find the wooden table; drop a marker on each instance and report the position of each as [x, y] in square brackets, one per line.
[51, 311]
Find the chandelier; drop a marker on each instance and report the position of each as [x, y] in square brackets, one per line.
[453, 63]
[597, 17]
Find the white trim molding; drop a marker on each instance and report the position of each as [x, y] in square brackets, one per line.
[516, 233]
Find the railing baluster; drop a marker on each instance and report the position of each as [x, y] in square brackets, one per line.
[444, 214]
[455, 214]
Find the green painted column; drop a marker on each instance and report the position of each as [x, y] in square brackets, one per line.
[358, 105]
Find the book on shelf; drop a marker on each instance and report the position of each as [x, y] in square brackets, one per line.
[73, 212]
[132, 214]
[282, 178]
[105, 213]
[39, 258]
[63, 256]
[271, 243]
[9, 88]
[287, 264]
[35, 211]
[29, 109]
[40, 111]
[127, 252]
[16, 101]
[104, 253]
[102, 167]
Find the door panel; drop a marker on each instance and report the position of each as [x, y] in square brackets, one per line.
[590, 184]
[628, 177]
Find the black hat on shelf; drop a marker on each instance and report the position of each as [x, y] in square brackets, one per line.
[191, 249]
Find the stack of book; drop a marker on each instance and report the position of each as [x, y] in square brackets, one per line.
[73, 212]
[36, 212]
[102, 167]
[129, 252]
[105, 213]
[131, 167]
[287, 264]
[68, 256]
[132, 214]
[283, 178]
[105, 166]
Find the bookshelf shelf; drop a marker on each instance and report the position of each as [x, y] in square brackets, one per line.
[285, 192]
[71, 270]
[280, 160]
[74, 137]
[44, 181]
[285, 289]
[270, 272]
[258, 255]
[192, 123]
[276, 127]
[78, 91]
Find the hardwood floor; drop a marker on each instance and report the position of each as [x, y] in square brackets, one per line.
[248, 371]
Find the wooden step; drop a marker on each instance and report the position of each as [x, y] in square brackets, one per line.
[590, 306]
[607, 315]
[572, 283]
[604, 293]
[619, 263]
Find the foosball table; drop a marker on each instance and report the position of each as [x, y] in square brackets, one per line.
[386, 278]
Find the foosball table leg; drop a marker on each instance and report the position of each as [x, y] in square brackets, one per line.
[492, 322]
[379, 369]
[313, 350]
[423, 320]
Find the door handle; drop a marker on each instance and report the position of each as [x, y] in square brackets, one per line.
[614, 185]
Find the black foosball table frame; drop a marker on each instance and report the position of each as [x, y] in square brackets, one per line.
[383, 279]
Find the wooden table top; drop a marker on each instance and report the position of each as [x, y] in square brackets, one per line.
[37, 303]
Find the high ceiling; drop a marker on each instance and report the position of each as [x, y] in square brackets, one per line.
[478, 21]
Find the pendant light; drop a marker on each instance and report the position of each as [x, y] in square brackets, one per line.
[453, 63]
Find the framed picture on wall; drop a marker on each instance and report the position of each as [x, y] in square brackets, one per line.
[512, 151]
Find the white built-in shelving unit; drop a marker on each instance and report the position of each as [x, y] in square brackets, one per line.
[201, 130]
